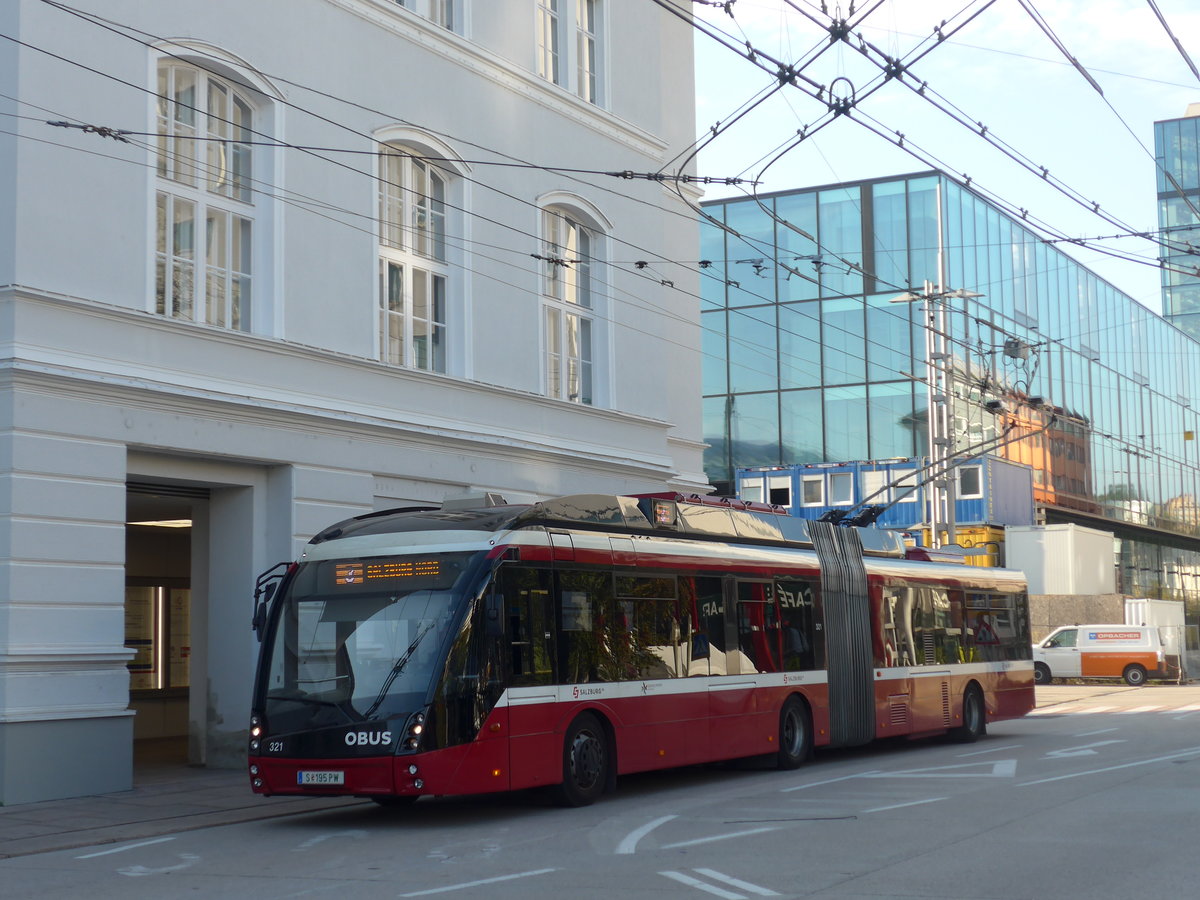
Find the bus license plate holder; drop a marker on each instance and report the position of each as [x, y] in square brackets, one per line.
[320, 779]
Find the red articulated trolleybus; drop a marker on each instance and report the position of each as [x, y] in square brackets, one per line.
[490, 647]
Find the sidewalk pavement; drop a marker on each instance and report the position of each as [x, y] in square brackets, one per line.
[168, 798]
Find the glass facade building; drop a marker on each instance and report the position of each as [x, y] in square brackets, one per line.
[808, 359]
[1177, 152]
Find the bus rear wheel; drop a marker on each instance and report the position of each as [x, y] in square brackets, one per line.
[1134, 675]
[974, 718]
[586, 760]
[795, 734]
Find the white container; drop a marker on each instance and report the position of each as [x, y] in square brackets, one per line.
[1062, 559]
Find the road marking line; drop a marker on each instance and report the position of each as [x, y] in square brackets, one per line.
[471, 884]
[126, 847]
[990, 750]
[802, 787]
[1083, 750]
[1001, 768]
[1094, 733]
[697, 883]
[903, 805]
[629, 842]
[716, 837]
[1140, 709]
[1145, 762]
[737, 883]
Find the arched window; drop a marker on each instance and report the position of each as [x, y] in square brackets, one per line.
[413, 269]
[205, 200]
[569, 303]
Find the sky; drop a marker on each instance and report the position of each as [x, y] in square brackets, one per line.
[1001, 71]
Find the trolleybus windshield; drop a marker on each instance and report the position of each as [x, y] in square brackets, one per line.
[360, 639]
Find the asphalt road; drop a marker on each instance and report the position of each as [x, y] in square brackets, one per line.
[1096, 795]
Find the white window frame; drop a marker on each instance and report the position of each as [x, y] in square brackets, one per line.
[448, 14]
[205, 201]
[570, 46]
[414, 268]
[819, 481]
[963, 494]
[752, 490]
[779, 483]
[904, 479]
[841, 478]
[569, 306]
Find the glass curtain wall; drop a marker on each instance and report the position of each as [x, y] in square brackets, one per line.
[807, 359]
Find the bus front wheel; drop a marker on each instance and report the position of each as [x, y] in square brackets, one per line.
[586, 761]
[795, 734]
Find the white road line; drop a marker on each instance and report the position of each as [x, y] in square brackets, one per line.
[717, 837]
[1143, 762]
[629, 842]
[126, 847]
[700, 885]
[902, 805]
[471, 884]
[1094, 733]
[802, 787]
[737, 883]
[1140, 709]
[1195, 707]
[990, 750]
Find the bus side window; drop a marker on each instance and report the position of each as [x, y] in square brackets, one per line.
[759, 632]
[587, 627]
[797, 618]
[705, 598]
[530, 620]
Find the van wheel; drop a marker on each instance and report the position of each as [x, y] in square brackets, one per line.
[795, 735]
[585, 762]
[1041, 673]
[1134, 675]
[974, 718]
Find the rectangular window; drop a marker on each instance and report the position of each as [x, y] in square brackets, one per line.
[752, 491]
[547, 13]
[970, 482]
[812, 490]
[585, 50]
[570, 45]
[841, 488]
[779, 490]
[905, 488]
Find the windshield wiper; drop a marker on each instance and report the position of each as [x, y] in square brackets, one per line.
[396, 670]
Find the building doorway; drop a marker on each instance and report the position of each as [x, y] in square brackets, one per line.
[158, 618]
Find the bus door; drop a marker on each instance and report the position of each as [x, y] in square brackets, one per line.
[753, 643]
[528, 612]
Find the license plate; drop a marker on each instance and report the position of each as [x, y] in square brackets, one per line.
[320, 778]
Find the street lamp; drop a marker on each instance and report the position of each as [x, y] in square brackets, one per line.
[938, 376]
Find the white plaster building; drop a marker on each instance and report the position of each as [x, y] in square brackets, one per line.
[200, 323]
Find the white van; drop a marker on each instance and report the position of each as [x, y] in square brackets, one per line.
[1132, 652]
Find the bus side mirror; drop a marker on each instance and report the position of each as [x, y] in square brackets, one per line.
[259, 622]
